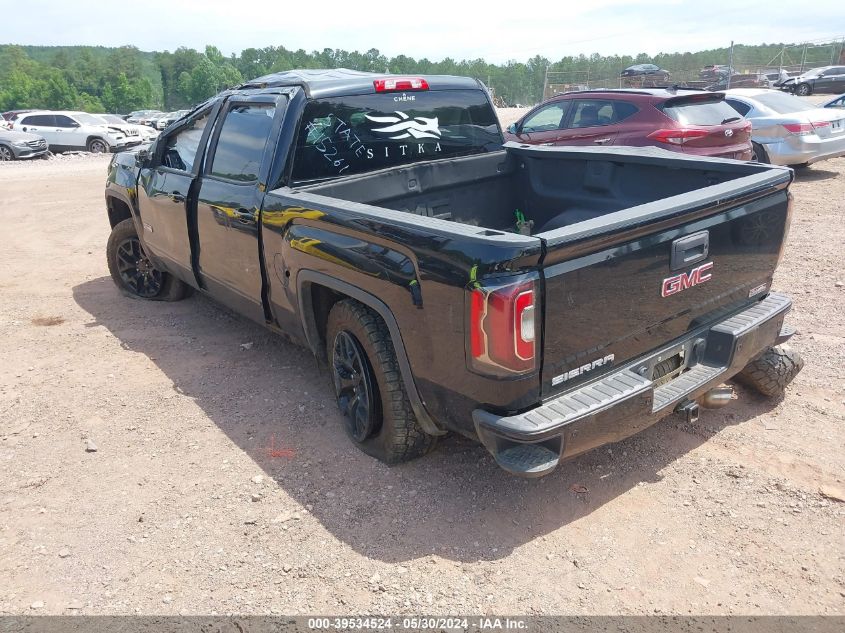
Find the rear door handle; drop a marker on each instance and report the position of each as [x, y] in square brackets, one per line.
[177, 197]
[601, 141]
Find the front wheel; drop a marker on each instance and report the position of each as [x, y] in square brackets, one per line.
[134, 273]
[6, 153]
[803, 90]
[369, 388]
[97, 146]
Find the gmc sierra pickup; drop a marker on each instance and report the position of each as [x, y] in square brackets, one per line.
[544, 300]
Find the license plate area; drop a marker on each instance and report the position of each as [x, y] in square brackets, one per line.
[837, 126]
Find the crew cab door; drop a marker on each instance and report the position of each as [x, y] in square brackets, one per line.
[230, 193]
[166, 192]
[544, 125]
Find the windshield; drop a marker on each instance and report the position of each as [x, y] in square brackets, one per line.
[783, 103]
[88, 119]
[340, 136]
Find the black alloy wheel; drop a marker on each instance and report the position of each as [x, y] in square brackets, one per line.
[136, 270]
[354, 386]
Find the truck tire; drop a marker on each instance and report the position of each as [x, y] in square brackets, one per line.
[369, 388]
[770, 373]
[132, 271]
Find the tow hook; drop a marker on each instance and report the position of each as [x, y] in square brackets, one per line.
[689, 409]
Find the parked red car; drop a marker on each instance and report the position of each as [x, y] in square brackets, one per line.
[692, 122]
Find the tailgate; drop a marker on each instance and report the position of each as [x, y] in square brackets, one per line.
[626, 283]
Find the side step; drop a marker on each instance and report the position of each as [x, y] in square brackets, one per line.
[528, 460]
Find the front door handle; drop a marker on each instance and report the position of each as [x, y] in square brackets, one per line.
[601, 141]
[177, 197]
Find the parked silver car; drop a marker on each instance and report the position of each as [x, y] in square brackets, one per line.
[18, 145]
[786, 130]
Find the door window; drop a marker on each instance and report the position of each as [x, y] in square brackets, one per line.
[65, 121]
[597, 112]
[45, 120]
[546, 119]
[181, 148]
[240, 146]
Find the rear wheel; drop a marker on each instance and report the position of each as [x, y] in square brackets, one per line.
[770, 373]
[803, 90]
[97, 146]
[758, 153]
[134, 273]
[369, 387]
[6, 153]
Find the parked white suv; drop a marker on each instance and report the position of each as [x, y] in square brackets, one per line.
[66, 131]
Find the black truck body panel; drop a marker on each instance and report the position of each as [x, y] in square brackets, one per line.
[610, 227]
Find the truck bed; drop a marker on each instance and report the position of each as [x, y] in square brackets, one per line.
[553, 188]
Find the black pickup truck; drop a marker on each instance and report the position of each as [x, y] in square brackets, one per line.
[544, 300]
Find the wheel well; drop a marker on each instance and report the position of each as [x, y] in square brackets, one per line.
[94, 136]
[322, 300]
[118, 211]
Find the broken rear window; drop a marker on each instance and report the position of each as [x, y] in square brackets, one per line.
[340, 136]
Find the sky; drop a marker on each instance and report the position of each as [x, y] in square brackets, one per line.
[495, 31]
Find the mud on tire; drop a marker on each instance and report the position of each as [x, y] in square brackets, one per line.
[393, 434]
[770, 373]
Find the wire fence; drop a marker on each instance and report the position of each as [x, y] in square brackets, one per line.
[746, 67]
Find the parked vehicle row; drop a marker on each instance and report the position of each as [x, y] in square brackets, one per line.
[155, 119]
[32, 133]
[744, 124]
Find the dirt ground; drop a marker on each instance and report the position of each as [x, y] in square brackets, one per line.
[222, 481]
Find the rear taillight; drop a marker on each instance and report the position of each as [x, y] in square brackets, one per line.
[820, 124]
[799, 129]
[677, 136]
[503, 329]
[400, 83]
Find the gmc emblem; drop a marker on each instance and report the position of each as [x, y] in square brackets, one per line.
[676, 283]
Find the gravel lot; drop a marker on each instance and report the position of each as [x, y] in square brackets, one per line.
[222, 480]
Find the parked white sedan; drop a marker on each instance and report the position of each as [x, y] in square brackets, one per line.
[787, 130]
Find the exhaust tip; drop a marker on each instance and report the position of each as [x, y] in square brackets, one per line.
[717, 397]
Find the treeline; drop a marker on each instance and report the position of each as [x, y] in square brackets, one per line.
[99, 79]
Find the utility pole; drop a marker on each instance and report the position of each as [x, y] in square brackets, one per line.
[545, 83]
[730, 65]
